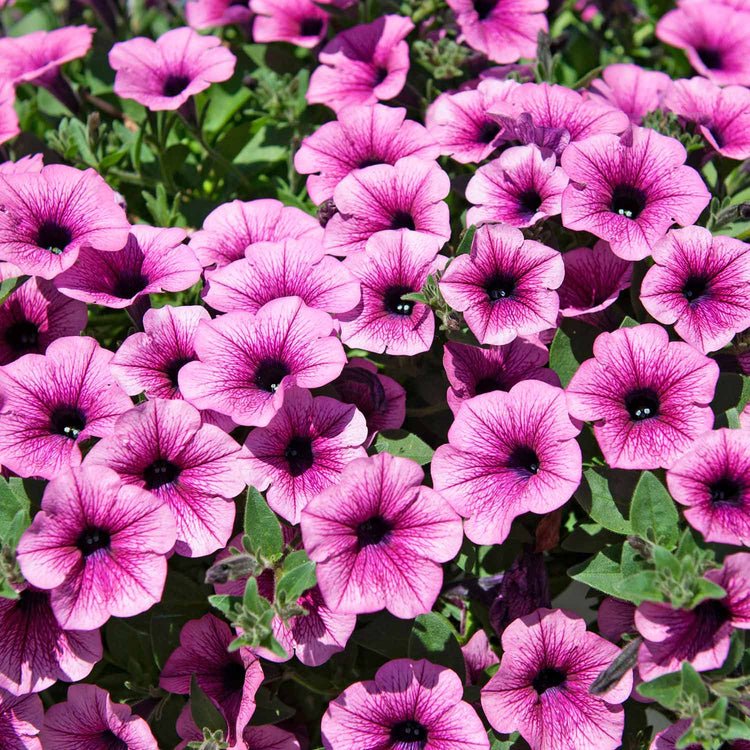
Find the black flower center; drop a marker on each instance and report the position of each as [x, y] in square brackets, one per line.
[159, 473]
[628, 201]
[524, 460]
[695, 287]
[22, 335]
[487, 385]
[718, 136]
[710, 614]
[548, 678]
[53, 237]
[642, 404]
[175, 85]
[500, 287]
[174, 367]
[108, 740]
[299, 455]
[710, 57]
[484, 8]
[233, 677]
[67, 421]
[129, 286]
[410, 733]
[403, 220]
[372, 531]
[380, 75]
[529, 201]
[369, 163]
[269, 375]
[92, 540]
[393, 302]
[727, 491]
[310, 27]
[488, 131]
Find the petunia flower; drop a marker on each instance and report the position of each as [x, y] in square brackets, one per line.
[164, 74]
[630, 190]
[631, 89]
[542, 687]
[362, 65]
[194, 468]
[229, 229]
[379, 537]
[230, 679]
[209, 14]
[508, 454]
[299, 22]
[33, 315]
[8, 117]
[31, 164]
[90, 720]
[37, 650]
[288, 268]
[360, 137]
[505, 30]
[667, 739]
[303, 450]
[395, 263]
[700, 635]
[701, 283]
[615, 618]
[407, 195]
[473, 370]
[53, 402]
[477, 657]
[247, 362]
[647, 396]
[264, 737]
[506, 286]
[21, 718]
[519, 188]
[99, 546]
[48, 217]
[409, 705]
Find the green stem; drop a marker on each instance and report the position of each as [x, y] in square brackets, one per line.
[308, 686]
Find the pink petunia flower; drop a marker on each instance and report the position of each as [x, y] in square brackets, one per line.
[53, 402]
[407, 195]
[48, 217]
[303, 450]
[361, 137]
[508, 454]
[229, 679]
[667, 739]
[542, 687]
[700, 635]
[265, 737]
[299, 22]
[472, 370]
[164, 74]
[90, 720]
[506, 286]
[100, 547]
[408, 705]
[21, 718]
[630, 190]
[8, 117]
[31, 164]
[288, 268]
[395, 263]
[194, 468]
[229, 229]
[379, 537]
[247, 362]
[631, 89]
[519, 188]
[209, 14]
[478, 655]
[647, 396]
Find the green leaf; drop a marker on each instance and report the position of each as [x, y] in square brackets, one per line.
[224, 602]
[10, 285]
[737, 729]
[665, 689]
[252, 601]
[385, 635]
[262, 527]
[639, 587]
[706, 590]
[13, 501]
[601, 572]
[433, 638]
[204, 713]
[403, 443]
[653, 513]
[269, 709]
[692, 684]
[597, 501]
[296, 581]
[464, 246]
[628, 322]
[573, 343]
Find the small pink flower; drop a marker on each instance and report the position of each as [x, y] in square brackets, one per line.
[630, 88]
[299, 22]
[209, 14]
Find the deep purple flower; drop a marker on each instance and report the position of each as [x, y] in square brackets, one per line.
[478, 655]
[615, 618]
[542, 687]
[209, 14]
[629, 190]
[408, 705]
[8, 117]
[53, 402]
[407, 195]
[667, 739]
[299, 22]
[21, 718]
[508, 454]
[631, 89]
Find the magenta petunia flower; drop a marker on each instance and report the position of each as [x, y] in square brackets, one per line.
[90, 720]
[647, 396]
[31, 164]
[164, 74]
[37, 651]
[472, 370]
[209, 14]
[194, 468]
[409, 705]
[508, 454]
[99, 545]
[407, 195]
[396, 263]
[48, 217]
[379, 537]
[631, 89]
[615, 618]
[362, 65]
[33, 316]
[629, 190]
[713, 480]
[714, 38]
[519, 188]
[299, 22]
[229, 229]
[360, 137]
[460, 122]
[288, 268]
[478, 655]
[506, 286]
[53, 402]
[700, 635]
[701, 283]
[721, 114]
[505, 30]
[248, 362]
[667, 739]
[229, 679]
[542, 687]
[8, 117]
[303, 450]
[21, 718]
[265, 737]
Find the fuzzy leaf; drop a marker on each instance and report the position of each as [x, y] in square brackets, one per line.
[204, 713]
[464, 246]
[433, 638]
[665, 689]
[597, 501]
[406, 444]
[293, 583]
[262, 527]
[601, 572]
[653, 513]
